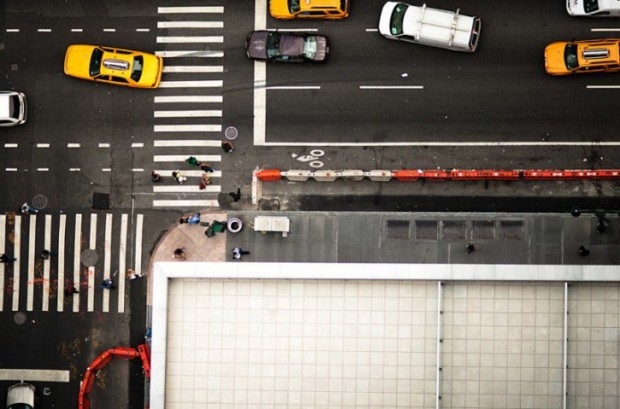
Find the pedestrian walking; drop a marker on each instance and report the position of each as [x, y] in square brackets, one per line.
[227, 147]
[178, 176]
[205, 167]
[156, 177]
[194, 218]
[46, 254]
[27, 209]
[583, 252]
[236, 196]
[204, 181]
[238, 252]
[107, 284]
[192, 161]
[184, 220]
[132, 275]
[179, 253]
[470, 248]
[6, 259]
[70, 290]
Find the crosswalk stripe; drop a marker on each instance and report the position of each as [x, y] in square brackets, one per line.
[60, 296]
[192, 84]
[190, 53]
[91, 269]
[138, 256]
[181, 158]
[16, 266]
[107, 256]
[193, 68]
[77, 252]
[186, 189]
[188, 114]
[190, 39]
[187, 142]
[186, 203]
[122, 258]
[189, 98]
[2, 251]
[31, 248]
[183, 10]
[192, 173]
[190, 24]
[188, 128]
[47, 245]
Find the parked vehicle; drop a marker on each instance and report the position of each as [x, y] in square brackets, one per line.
[593, 8]
[13, 108]
[20, 396]
[316, 9]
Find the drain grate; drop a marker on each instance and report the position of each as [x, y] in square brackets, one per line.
[398, 229]
[483, 230]
[511, 230]
[426, 230]
[454, 230]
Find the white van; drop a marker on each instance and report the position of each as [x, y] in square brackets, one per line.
[13, 108]
[20, 396]
[429, 26]
[593, 8]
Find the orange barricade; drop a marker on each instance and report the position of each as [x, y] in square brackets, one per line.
[432, 175]
[269, 175]
[406, 175]
[584, 174]
[457, 174]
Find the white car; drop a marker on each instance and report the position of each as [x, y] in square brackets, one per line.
[593, 8]
[20, 396]
[13, 108]
[429, 26]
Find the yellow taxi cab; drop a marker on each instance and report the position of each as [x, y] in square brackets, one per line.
[579, 57]
[113, 65]
[322, 9]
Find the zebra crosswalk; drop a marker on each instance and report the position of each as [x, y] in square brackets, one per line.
[188, 114]
[79, 257]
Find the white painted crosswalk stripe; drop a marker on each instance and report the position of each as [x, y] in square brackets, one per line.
[192, 84]
[77, 243]
[107, 259]
[190, 39]
[186, 10]
[190, 142]
[190, 24]
[91, 269]
[186, 203]
[181, 158]
[189, 99]
[188, 128]
[192, 173]
[60, 293]
[186, 189]
[122, 259]
[16, 266]
[193, 68]
[2, 251]
[31, 262]
[190, 53]
[188, 114]
[47, 244]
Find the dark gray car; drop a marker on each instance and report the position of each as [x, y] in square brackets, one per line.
[280, 47]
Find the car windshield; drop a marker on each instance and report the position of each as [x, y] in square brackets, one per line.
[310, 47]
[590, 5]
[396, 26]
[95, 62]
[570, 56]
[273, 45]
[293, 6]
[136, 70]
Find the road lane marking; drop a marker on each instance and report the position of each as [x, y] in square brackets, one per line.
[47, 245]
[187, 189]
[190, 39]
[293, 87]
[188, 114]
[74, 169]
[77, 30]
[77, 252]
[181, 158]
[104, 145]
[73, 145]
[191, 173]
[31, 261]
[187, 142]
[107, 255]
[191, 53]
[91, 269]
[186, 203]
[137, 145]
[603, 86]
[193, 68]
[137, 169]
[190, 24]
[188, 128]
[43, 169]
[448, 144]
[34, 375]
[372, 30]
[11, 169]
[17, 233]
[122, 259]
[44, 30]
[138, 255]
[175, 10]
[389, 87]
[12, 30]
[60, 288]
[106, 169]
[43, 145]
[189, 98]
[605, 29]
[10, 145]
[143, 30]
[109, 30]
[2, 265]
[192, 84]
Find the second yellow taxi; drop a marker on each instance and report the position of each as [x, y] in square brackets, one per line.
[579, 57]
[114, 66]
[322, 9]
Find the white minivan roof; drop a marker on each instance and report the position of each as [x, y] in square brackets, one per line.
[5, 102]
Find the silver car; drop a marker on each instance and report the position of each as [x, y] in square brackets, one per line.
[20, 396]
[13, 108]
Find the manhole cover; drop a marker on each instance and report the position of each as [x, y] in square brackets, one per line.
[231, 132]
[89, 257]
[398, 229]
[19, 318]
[39, 202]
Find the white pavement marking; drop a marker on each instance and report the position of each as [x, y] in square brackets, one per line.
[74, 169]
[188, 114]
[16, 253]
[47, 245]
[104, 145]
[372, 30]
[189, 98]
[61, 263]
[260, 79]
[77, 252]
[193, 68]
[188, 128]
[44, 30]
[192, 173]
[43, 169]
[294, 87]
[603, 86]
[184, 10]
[106, 169]
[137, 169]
[190, 39]
[191, 53]
[138, 257]
[192, 84]
[386, 87]
[43, 145]
[186, 203]
[34, 375]
[137, 145]
[73, 145]
[187, 189]
[107, 255]
[10, 145]
[181, 158]
[77, 30]
[2, 251]
[187, 142]
[109, 30]
[605, 29]
[31, 261]
[11, 169]
[12, 30]
[122, 257]
[190, 24]
[91, 269]
[451, 144]
[143, 30]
